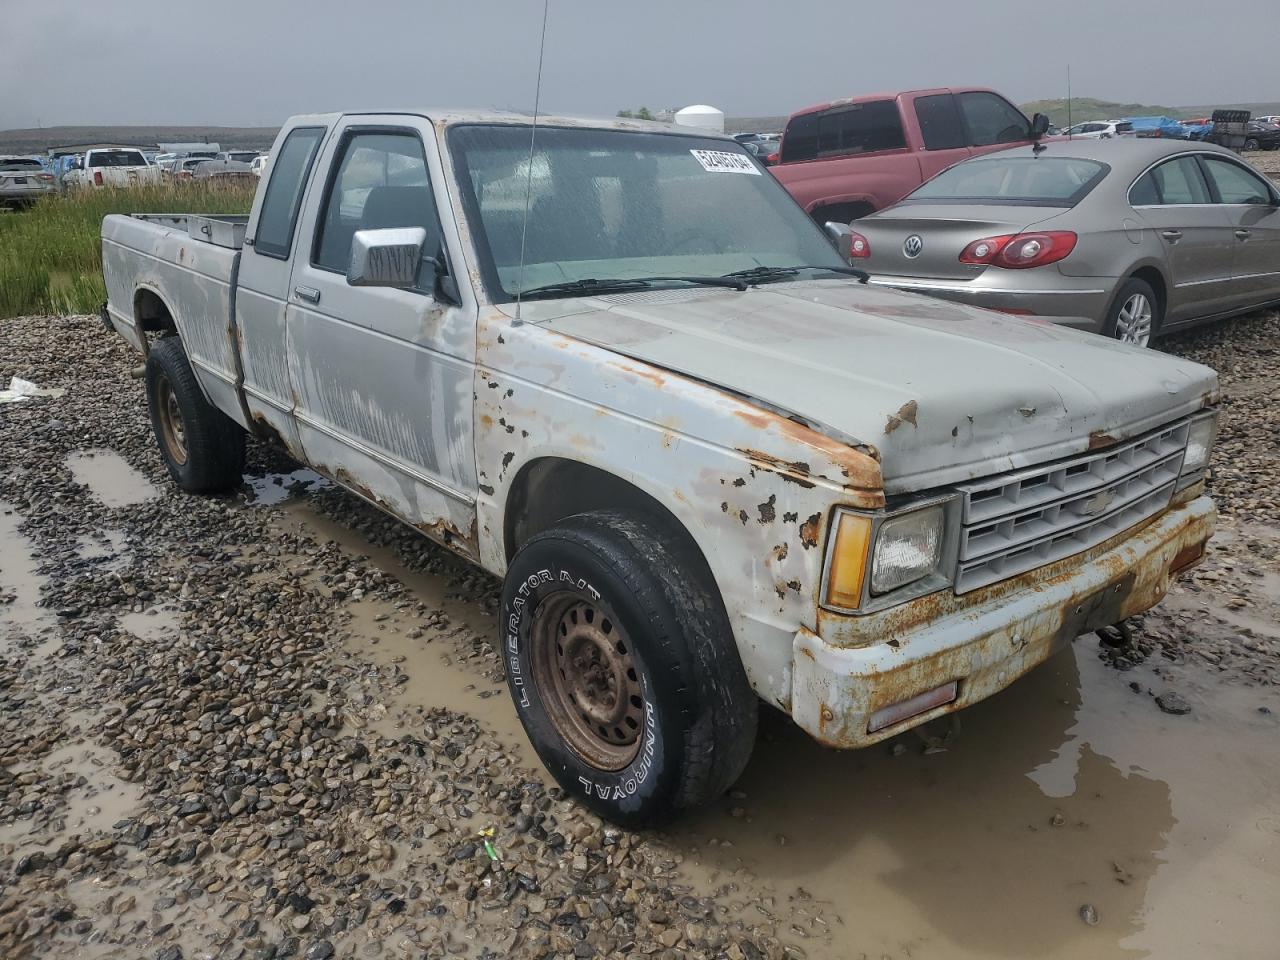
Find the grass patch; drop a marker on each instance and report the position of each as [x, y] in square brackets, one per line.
[51, 252]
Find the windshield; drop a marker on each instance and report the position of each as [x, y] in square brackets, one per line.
[17, 163]
[616, 205]
[1030, 180]
[117, 158]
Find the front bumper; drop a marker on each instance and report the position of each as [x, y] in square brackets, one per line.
[987, 645]
[1081, 303]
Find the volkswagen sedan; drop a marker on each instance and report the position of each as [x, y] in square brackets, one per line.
[1130, 238]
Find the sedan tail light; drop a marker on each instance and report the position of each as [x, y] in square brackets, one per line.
[859, 246]
[45, 177]
[1018, 251]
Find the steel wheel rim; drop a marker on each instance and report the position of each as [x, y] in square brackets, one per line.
[1133, 324]
[588, 680]
[172, 425]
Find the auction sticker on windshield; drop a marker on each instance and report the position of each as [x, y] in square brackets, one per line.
[722, 161]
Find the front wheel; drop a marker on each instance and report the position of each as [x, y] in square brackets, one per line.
[1251, 144]
[1135, 314]
[623, 668]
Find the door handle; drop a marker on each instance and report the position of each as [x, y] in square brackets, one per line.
[309, 294]
[1173, 236]
[1243, 234]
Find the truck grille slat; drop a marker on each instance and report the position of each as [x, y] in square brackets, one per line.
[1017, 521]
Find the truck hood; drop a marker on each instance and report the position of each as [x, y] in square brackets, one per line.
[945, 392]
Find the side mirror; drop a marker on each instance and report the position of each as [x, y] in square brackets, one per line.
[1039, 126]
[386, 258]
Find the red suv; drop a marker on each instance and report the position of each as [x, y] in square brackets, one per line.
[848, 158]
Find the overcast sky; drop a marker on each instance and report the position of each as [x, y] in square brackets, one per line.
[251, 62]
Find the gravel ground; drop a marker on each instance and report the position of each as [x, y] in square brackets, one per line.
[239, 791]
[197, 760]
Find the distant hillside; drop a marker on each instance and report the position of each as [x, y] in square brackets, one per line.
[1087, 108]
[40, 140]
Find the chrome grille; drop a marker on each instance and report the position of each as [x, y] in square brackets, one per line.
[1018, 521]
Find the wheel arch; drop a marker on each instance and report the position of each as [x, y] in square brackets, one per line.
[151, 311]
[1154, 278]
[550, 488]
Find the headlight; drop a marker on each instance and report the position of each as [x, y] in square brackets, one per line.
[871, 556]
[908, 547]
[1200, 436]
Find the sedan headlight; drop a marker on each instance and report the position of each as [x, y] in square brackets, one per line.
[908, 548]
[1200, 436]
[873, 555]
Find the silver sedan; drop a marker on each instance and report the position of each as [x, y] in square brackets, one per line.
[1131, 238]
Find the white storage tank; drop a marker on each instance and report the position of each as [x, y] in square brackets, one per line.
[702, 116]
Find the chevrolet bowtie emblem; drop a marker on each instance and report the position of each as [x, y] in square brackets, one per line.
[1097, 503]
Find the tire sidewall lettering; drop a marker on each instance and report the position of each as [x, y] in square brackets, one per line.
[623, 788]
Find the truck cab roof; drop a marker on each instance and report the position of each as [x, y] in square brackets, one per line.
[454, 116]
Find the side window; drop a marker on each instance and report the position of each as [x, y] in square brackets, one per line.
[1235, 184]
[1144, 193]
[992, 119]
[862, 128]
[858, 128]
[283, 198]
[940, 124]
[381, 182]
[1177, 181]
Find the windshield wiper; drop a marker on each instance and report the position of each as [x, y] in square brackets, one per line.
[621, 284]
[772, 274]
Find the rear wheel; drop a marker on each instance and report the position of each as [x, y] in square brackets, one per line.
[202, 447]
[1135, 314]
[1251, 144]
[623, 668]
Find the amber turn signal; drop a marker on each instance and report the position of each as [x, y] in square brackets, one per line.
[848, 566]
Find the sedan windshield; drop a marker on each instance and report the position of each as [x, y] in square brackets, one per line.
[610, 205]
[18, 163]
[1021, 179]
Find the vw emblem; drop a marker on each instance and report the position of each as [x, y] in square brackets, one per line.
[912, 246]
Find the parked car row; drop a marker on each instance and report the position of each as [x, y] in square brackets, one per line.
[1120, 229]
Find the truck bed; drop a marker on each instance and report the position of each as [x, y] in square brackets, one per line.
[188, 262]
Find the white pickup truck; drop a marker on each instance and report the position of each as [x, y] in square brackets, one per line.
[113, 167]
[624, 371]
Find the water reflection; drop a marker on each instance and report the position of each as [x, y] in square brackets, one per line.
[959, 853]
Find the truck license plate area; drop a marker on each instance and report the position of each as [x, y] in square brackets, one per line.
[1099, 609]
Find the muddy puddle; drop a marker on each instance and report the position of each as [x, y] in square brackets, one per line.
[110, 478]
[108, 545]
[22, 620]
[420, 664]
[269, 489]
[1068, 789]
[94, 800]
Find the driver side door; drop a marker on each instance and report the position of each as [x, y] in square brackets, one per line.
[383, 375]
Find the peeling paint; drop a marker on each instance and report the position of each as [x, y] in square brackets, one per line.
[767, 512]
[906, 414]
[809, 531]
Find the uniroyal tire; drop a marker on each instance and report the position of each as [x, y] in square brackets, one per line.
[202, 447]
[694, 724]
